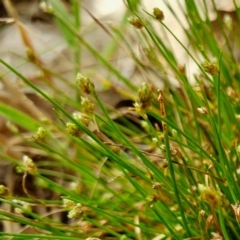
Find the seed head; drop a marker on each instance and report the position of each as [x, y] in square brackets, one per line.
[144, 99]
[31, 55]
[152, 199]
[209, 195]
[208, 163]
[84, 118]
[202, 110]
[216, 236]
[41, 134]
[209, 221]
[236, 209]
[211, 68]
[87, 105]
[136, 22]
[157, 185]
[77, 211]
[85, 84]
[68, 204]
[228, 21]
[46, 7]
[4, 191]
[158, 14]
[201, 215]
[74, 186]
[73, 129]
[145, 126]
[29, 165]
[155, 140]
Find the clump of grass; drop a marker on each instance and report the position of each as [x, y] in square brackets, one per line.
[171, 171]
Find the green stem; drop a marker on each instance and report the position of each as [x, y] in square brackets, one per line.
[77, 48]
[169, 158]
[222, 224]
[218, 88]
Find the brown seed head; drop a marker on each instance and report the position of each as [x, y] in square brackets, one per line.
[158, 14]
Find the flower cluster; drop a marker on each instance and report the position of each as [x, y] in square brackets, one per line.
[87, 114]
[209, 195]
[29, 165]
[4, 191]
[85, 84]
[136, 22]
[76, 210]
[210, 68]
[73, 129]
[236, 209]
[144, 99]
[158, 14]
[41, 134]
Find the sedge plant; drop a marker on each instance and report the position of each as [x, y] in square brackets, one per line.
[166, 168]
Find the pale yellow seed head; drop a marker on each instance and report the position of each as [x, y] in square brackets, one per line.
[29, 165]
[85, 84]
